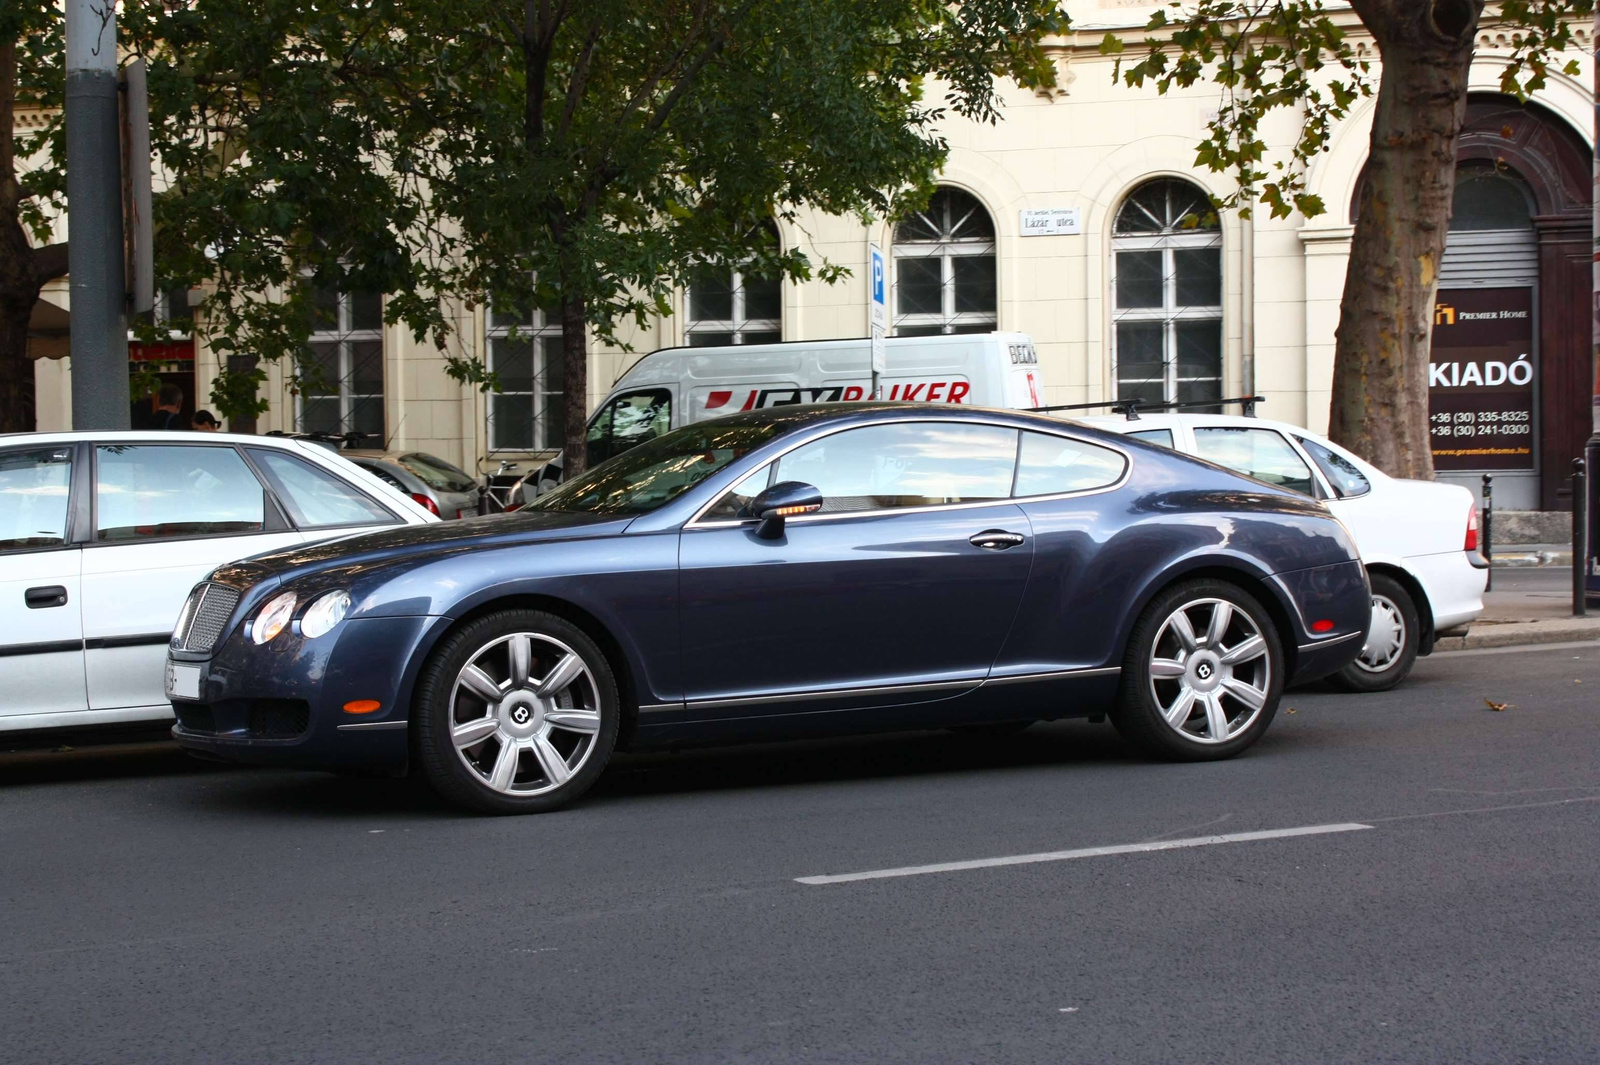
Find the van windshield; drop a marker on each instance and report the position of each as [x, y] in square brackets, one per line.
[628, 421]
[655, 473]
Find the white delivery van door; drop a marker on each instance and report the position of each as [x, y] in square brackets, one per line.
[165, 516]
[41, 623]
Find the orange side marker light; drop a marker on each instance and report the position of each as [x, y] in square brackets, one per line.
[362, 706]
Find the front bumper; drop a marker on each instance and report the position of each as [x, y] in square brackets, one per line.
[283, 704]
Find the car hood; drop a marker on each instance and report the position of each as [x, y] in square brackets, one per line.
[369, 551]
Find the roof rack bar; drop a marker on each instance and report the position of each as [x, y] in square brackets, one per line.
[1132, 408]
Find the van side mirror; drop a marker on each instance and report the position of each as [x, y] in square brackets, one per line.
[782, 500]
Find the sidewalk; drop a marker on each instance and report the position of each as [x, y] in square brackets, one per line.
[1527, 606]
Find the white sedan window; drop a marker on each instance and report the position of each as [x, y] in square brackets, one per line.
[1260, 453]
[162, 492]
[33, 498]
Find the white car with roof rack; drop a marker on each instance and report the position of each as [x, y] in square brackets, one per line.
[103, 534]
[1418, 539]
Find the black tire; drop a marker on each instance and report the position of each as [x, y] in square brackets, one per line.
[1139, 717]
[435, 712]
[1391, 597]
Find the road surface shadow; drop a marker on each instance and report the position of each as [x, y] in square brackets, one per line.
[709, 769]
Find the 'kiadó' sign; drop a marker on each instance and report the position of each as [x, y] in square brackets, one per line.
[1480, 379]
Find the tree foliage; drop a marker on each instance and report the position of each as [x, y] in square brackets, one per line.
[456, 150]
[1298, 55]
[1267, 55]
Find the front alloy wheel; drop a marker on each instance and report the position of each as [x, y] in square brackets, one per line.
[1202, 674]
[518, 714]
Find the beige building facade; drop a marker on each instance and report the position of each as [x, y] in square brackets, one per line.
[1065, 221]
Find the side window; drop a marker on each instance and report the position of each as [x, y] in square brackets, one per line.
[1260, 453]
[316, 499]
[735, 499]
[628, 421]
[910, 464]
[1346, 478]
[1154, 436]
[35, 486]
[149, 493]
[1048, 465]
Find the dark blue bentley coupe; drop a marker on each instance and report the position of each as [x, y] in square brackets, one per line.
[807, 570]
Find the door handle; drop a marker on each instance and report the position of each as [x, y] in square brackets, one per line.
[45, 596]
[997, 539]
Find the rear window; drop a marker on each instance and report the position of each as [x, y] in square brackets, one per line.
[1052, 465]
[1153, 436]
[437, 473]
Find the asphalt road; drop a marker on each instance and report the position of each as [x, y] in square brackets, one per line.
[154, 909]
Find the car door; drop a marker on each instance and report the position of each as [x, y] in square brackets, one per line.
[906, 581]
[164, 516]
[41, 620]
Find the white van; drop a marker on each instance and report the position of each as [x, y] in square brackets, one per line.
[677, 386]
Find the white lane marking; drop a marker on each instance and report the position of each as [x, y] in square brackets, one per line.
[1086, 852]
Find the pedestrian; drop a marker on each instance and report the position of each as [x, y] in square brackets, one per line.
[169, 407]
[205, 422]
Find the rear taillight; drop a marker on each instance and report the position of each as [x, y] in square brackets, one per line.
[425, 501]
[1472, 528]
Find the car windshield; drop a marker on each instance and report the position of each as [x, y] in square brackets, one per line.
[657, 472]
[437, 474]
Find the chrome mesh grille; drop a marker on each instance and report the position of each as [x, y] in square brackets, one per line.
[204, 620]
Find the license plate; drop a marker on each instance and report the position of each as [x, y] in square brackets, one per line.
[183, 682]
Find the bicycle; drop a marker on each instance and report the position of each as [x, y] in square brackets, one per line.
[494, 495]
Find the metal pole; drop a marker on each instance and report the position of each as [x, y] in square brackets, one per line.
[95, 255]
[1486, 537]
[1579, 536]
[1589, 550]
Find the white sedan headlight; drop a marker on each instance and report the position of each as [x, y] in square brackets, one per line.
[273, 619]
[324, 613]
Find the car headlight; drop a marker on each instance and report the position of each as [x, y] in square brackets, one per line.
[274, 617]
[324, 613]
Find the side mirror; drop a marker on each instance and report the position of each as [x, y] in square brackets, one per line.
[783, 500]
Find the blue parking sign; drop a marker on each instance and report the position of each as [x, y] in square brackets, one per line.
[879, 288]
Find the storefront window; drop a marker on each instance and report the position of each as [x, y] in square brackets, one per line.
[1167, 294]
[944, 268]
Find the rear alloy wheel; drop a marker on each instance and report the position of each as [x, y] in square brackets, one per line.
[518, 714]
[1202, 675]
[1392, 638]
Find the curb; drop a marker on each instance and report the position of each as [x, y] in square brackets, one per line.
[1523, 559]
[1521, 633]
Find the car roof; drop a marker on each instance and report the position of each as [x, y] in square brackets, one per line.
[157, 436]
[798, 415]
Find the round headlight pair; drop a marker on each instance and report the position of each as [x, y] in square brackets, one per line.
[321, 616]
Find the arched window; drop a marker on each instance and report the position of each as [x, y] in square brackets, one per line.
[735, 307]
[1490, 197]
[1167, 294]
[944, 268]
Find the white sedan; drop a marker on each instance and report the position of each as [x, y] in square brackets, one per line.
[1419, 539]
[102, 536]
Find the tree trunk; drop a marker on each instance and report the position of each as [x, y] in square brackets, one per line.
[19, 279]
[574, 385]
[16, 371]
[1379, 407]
